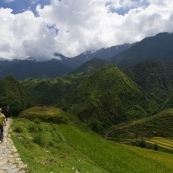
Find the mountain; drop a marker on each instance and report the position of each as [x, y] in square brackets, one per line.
[30, 68]
[107, 97]
[155, 77]
[50, 91]
[22, 69]
[123, 56]
[91, 66]
[104, 53]
[159, 46]
[15, 95]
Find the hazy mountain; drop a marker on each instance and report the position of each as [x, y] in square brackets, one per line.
[104, 53]
[91, 66]
[159, 46]
[22, 69]
[30, 68]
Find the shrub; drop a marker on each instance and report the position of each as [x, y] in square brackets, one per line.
[39, 139]
[35, 128]
[37, 121]
[18, 129]
[96, 126]
[156, 147]
[143, 144]
[32, 127]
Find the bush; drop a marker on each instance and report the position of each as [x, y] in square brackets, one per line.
[37, 121]
[143, 144]
[39, 139]
[18, 129]
[35, 128]
[156, 147]
[96, 126]
[31, 127]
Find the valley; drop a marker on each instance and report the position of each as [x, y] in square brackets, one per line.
[101, 114]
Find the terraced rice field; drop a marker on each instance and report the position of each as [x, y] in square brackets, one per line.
[162, 142]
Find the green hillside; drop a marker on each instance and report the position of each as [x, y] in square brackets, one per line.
[155, 77]
[107, 97]
[51, 91]
[15, 95]
[159, 125]
[48, 147]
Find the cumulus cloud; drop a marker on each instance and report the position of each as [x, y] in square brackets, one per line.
[72, 27]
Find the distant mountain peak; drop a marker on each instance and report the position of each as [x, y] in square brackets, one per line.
[30, 59]
[61, 57]
[89, 52]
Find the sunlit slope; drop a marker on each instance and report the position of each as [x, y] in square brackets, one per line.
[166, 143]
[109, 97]
[65, 148]
[51, 91]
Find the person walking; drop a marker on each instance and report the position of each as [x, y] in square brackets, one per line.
[5, 111]
[2, 123]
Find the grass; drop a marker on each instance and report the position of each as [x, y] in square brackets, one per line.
[160, 125]
[162, 142]
[46, 150]
[64, 148]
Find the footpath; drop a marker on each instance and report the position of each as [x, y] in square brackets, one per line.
[10, 161]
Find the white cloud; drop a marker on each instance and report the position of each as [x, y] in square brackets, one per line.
[82, 25]
[7, 1]
[34, 1]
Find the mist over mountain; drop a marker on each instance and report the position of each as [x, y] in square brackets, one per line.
[30, 68]
[123, 56]
[22, 69]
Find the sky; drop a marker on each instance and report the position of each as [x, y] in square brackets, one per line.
[39, 28]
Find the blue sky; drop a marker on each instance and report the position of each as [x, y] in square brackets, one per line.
[38, 28]
[19, 6]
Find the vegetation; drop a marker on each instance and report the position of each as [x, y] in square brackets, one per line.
[155, 77]
[130, 107]
[48, 147]
[107, 97]
[162, 143]
[51, 91]
[15, 95]
[159, 125]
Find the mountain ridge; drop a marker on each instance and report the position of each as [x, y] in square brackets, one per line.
[159, 46]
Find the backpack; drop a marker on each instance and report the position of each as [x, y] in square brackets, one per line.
[1, 119]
